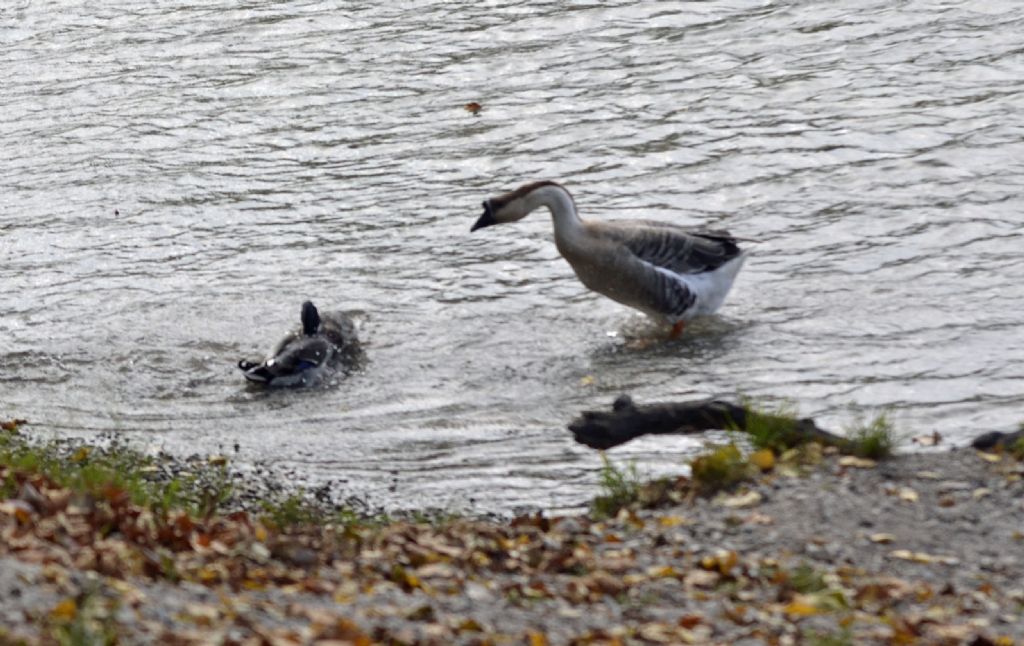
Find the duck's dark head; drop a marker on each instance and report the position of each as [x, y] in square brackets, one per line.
[310, 319]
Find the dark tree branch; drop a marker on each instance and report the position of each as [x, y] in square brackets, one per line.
[626, 421]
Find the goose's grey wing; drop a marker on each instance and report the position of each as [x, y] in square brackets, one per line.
[663, 291]
[674, 248]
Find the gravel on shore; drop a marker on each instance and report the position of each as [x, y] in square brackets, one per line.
[921, 548]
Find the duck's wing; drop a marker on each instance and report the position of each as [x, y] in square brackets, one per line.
[671, 247]
[292, 358]
[304, 353]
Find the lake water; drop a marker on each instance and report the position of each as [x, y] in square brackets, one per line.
[178, 177]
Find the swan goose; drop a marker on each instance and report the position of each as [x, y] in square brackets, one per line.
[670, 273]
[305, 356]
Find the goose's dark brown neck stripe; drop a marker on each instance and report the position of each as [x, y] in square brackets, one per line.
[524, 190]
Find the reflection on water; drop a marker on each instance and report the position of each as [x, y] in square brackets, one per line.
[178, 179]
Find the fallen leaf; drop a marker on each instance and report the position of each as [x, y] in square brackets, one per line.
[662, 572]
[857, 463]
[473, 107]
[702, 578]
[763, 459]
[980, 492]
[989, 457]
[536, 638]
[587, 380]
[923, 557]
[907, 494]
[739, 501]
[723, 561]
[672, 521]
[690, 621]
[21, 510]
[65, 611]
[881, 538]
[800, 608]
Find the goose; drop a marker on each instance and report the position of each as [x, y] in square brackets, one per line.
[670, 273]
[304, 356]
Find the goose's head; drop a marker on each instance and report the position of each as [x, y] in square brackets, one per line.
[515, 205]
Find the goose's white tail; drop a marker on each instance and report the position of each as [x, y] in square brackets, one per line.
[712, 287]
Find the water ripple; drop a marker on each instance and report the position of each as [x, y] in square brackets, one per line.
[178, 178]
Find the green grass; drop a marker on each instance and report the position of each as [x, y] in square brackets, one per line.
[721, 468]
[619, 488]
[843, 637]
[806, 580]
[875, 440]
[103, 471]
[92, 623]
[772, 429]
[1017, 448]
[292, 510]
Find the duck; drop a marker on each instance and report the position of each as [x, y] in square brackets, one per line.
[671, 273]
[305, 356]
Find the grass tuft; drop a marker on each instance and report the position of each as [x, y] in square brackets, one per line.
[1017, 449]
[875, 440]
[291, 511]
[773, 429]
[806, 580]
[619, 488]
[722, 468]
[843, 637]
[113, 469]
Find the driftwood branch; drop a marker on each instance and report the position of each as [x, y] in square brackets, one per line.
[627, 420]
[997, 441]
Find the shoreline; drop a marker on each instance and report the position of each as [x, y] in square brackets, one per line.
[917, 548]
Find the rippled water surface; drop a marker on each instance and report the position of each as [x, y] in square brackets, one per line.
[177, 179]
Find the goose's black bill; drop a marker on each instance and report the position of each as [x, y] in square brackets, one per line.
[486, 220]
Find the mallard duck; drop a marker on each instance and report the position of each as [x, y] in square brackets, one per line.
[668, 272]
[303, 356]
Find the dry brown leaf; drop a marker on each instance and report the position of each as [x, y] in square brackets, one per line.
[763, 459]
[64, 611]
[739, 501]
[857, 463]
[535, 638]
[907, 494]
[923, 557]
[800, 607]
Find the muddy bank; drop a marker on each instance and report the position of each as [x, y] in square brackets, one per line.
[921, 548]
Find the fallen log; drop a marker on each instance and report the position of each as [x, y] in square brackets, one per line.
[997, 440]
[627, 420]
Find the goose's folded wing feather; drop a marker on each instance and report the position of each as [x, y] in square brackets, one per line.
[658, 289]
[673, 248]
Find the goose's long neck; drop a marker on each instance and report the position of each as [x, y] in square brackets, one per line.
[563, 210]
